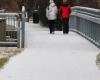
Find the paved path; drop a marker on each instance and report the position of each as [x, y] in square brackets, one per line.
[52, 57]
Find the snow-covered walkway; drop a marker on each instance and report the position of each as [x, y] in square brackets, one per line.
[53, 57]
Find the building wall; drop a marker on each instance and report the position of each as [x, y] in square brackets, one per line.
[98, 3]
[10, 6]
[88, 3]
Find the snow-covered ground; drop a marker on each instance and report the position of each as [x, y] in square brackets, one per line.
[53, 57]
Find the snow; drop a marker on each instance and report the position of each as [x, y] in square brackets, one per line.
[52, 57]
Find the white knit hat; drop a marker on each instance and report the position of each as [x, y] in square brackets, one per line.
[52, 4]
[51, 1]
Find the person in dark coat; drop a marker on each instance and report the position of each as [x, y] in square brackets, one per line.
[65, 11]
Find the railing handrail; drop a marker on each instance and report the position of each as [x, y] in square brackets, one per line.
[88, 11]
[86, 8]
[10, 14]
[2, 10]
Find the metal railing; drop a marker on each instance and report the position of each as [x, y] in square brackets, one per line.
[2, 10]
[86, 21]
[12, 30]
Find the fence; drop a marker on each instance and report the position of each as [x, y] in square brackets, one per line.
[12, 30]
[2, 10]
[86, 21]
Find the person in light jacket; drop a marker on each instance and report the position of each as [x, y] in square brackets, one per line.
[51, 14]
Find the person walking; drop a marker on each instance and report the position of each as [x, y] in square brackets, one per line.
[65, 11]
[51, 14]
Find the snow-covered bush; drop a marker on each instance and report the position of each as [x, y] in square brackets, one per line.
[98, 60]
[6, 53]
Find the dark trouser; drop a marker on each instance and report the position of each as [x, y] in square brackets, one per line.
[65, 23]
[51, 25]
